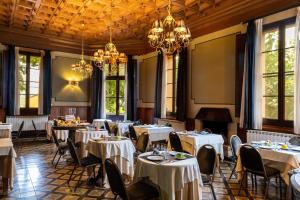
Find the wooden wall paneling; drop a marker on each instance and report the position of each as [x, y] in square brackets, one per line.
[146, 115]
[55, 111]
[82, 111]
[239, 70]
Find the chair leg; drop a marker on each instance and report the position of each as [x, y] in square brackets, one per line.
[54, 157]
[233, 171]
[267, 188]
[79, 180]
[252, 180]
[213, 191]
[241, 183]
[71, 175]
[58, 160]
[280, 187]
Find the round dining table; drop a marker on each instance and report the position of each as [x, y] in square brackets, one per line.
[120, 150]
[177, 179]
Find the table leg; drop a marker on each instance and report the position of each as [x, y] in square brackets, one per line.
[5, 185]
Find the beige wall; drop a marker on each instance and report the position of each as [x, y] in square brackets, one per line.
[147, 78]
[61, 74]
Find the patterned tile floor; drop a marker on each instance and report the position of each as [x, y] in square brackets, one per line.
[38, 179]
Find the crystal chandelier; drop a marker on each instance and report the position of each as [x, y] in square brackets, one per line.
[82, 66]
[169, 35]
[109, 56]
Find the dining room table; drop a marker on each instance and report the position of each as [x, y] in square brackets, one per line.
[156, 132]
[5, 130]
[82, 137]
[64, 132]
[192, 141]
[7, 164]
[99, 123]
[123, 127]
[178, 179]
[120, 149]
[274, 155]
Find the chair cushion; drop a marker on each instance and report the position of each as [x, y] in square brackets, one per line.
[90, 160]
[142, 190]
[269, 170]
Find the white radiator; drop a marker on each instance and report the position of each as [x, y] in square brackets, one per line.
[257, 135]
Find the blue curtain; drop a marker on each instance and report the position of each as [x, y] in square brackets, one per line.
[248, 122]
[10, 76]
[96, 92]
[131, 88]
[47, 84]
[158, 88]
[181, 96]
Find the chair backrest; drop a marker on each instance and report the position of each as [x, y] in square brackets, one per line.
[20, 128]
[295, 186]
[115, 180]
[73, 151]
[207, 158]
[33, 124]
[142, 142]
[235, 143]
[132, 133]
[206, 130]
[107, 126]
[295, 141]
[251, 159]
[175, 142]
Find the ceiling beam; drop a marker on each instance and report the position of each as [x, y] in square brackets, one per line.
[60, 4]
[13, 11]
[33, 13]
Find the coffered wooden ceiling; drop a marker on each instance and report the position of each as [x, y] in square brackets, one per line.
[131, 19]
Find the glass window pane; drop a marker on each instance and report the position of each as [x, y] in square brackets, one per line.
[22, 87]
[33, 101]
[289, 108]
[110, 88]
[289, 59]
[22, 100]
[35, 75]
[22, 61]
[169, 104]
[110, 106]
[121, 106]
[122, 70]
[270, 62]
[271, 39]
[122, 86]
[290, 36]
[22, 74]
[169, 76]
[270, 86]
[111, 70]
[270, 107]
[35, 62]
[289, 85]
[169, 90]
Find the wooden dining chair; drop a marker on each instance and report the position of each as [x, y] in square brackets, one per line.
[253, 164]
[141, 190]
[207, 158]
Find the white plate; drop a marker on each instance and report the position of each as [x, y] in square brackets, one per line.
[155, 158]
[258, 142]
[295, 148]
[266, 147]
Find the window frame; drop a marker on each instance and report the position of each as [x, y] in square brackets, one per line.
[116, 78]
[280, 25]
[27, 81]
[172, 114]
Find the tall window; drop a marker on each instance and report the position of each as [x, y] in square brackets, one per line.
[115, 85]
[29, 78]
[171, 90]
[278, 55]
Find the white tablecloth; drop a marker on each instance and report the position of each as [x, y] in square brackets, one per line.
[84, 136]
[7, 161]
[180, 179]
[123, 127]
[120, 151]
[192, 142]
[5, 130]
[283, 160]
[40, 122]
[99, 123]
[156, 133]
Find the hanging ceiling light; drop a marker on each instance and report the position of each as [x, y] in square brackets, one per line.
[82, 66]
[169, 35]
[109, 56]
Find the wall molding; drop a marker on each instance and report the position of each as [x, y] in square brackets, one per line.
[55, 54]
[68, 103]
[145, 56]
